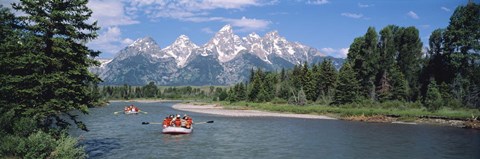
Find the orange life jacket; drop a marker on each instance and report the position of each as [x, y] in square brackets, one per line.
[178, 122]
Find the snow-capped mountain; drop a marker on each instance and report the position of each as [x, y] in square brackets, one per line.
[225, 59]
[180, 50]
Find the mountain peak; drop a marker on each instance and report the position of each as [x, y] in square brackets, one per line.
[182, 39]
[254, 35]
[145, 44]
[226, 28]
[272, 34]
[146, 39]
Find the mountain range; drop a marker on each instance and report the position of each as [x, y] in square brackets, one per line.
[224, 60]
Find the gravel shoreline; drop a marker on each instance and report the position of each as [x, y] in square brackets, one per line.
[219, 110]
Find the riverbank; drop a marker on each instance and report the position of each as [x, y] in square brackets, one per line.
[220, 110]
[146, 100]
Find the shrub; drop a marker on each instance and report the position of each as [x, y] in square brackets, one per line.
[40, 145]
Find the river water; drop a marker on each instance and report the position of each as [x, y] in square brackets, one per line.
[123, 136]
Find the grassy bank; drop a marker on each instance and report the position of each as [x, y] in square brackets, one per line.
[400, 110]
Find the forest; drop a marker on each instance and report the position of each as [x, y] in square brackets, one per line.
[44, 73]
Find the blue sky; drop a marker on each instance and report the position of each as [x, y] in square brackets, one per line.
[328, 25]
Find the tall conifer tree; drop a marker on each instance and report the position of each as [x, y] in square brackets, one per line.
[61, 30]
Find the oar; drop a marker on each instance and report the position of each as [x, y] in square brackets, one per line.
[144, 112]
[204, 122]
[146, 123]
[117, 112]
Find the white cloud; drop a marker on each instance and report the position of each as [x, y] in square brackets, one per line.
[198, 11]
[413, 15]
[365, 5]
[110, 41]
[247, 25]
[110, 13]
[207, 30]
[338, 53]
[352, 15]
[343, 52]
[318, 2]
[445, 9]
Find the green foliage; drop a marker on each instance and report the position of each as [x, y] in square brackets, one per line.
[40, 145]
[433, 99]
[45, 62]
[151, 90]
[67, 147]
[327, 79]
[302, 98]
[347, 88]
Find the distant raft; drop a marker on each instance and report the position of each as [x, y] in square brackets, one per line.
[131, 112]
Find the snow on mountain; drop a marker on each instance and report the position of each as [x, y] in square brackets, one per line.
[145, 45]
[225, 59]
[180, 50]
[224, 44]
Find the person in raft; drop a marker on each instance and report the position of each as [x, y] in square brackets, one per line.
[176, 121]
[188, 121]
[167, 121]
[132, 108]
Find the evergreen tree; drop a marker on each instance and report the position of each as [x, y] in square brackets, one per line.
[284, 90]
[387, 62]
[327, 78]
[384, 88]
[399, 85]
[150, 90]
[255, 86]
[269, 86]
[363, 54]
[296, 79]
[433, 99]
[409, 58]
[308, 84]
[347, 86]
[57, 65]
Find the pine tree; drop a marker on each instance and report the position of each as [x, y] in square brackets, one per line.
[409, 58]
[363, 54]
[387, 62]
[399, 85]
[347, 87]
[327, 78]
[150, 90]
[269, 86]
[58, 62]
[384, 88]
[255, 86]
[433, 99]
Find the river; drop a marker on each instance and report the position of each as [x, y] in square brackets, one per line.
[123, 136]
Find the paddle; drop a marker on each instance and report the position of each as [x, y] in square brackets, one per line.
[146, 123]
[211, 121]
[117, 112]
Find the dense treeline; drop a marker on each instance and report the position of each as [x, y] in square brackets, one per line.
[386, 66]
[152, 91]
[44, 77]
